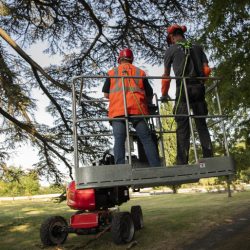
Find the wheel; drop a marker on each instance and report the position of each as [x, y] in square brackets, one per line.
[137, 217]
[52, 231]
[122, 228]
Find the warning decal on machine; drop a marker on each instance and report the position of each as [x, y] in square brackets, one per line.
[202, 164]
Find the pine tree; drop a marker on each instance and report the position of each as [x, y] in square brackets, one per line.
[88, 35]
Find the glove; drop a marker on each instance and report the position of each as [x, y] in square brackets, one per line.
[165, 98]
[165, 84]
[206, 71]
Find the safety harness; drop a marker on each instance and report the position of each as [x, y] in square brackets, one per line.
[187, 45]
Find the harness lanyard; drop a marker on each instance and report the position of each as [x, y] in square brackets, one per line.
[187, 46]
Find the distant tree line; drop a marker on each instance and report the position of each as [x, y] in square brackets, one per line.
[14, 181]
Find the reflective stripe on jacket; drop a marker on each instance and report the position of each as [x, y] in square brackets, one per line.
[134, 88]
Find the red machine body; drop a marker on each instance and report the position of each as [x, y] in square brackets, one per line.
[84, 220]
[80, 199]
[93, 205]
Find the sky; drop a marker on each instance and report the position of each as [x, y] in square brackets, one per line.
[26, 155]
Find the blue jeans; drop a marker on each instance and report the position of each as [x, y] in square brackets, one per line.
[143, 132]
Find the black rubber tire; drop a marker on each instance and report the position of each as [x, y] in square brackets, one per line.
[50, 231]
[137, 217]
[122, 228]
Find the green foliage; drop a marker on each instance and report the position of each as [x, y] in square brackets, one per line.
[4, 10]
[52, 189]
[16, 182]
[174, 188]
[214, 183]
[245, 175]
[241, 155]
[30, 183]
[169, 139]
[225, 34]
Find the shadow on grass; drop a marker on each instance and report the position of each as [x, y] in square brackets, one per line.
[171, 221]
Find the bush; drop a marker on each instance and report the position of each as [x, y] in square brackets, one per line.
[53, 189]
[16, 182]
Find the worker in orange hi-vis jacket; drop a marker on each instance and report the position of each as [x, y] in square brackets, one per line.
[137, 91]
[188, 60]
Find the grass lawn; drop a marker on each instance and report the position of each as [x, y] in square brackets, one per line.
[171, 221]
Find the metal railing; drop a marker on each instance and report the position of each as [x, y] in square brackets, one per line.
[77, 99]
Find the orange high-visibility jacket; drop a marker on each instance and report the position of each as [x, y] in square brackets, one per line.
[134, 88]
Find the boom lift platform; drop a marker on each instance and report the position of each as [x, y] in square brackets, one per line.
[96, 189]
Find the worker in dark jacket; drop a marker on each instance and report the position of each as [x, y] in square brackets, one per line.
[137, 91]
[193, 65]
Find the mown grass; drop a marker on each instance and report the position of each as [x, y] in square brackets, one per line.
[171, 221]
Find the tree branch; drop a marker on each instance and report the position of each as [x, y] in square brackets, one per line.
[45, 141]
[33, 64]
[31, 130]
[98, 24]
[51, 99]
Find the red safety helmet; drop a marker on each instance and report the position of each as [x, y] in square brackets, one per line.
[172, 28]
[126, 54]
